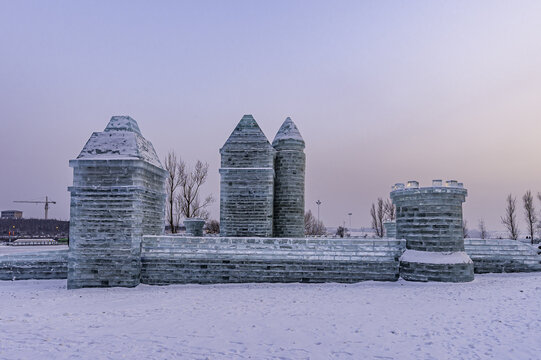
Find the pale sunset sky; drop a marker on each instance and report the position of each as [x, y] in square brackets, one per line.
[382, 92]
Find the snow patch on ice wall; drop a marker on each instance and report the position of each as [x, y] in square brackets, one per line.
[431, 257]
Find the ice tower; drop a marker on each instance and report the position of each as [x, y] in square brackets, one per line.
[430, 219]
[247, 182]
[118, 195]
[289, 166]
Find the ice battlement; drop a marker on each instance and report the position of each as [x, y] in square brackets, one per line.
[438, 186]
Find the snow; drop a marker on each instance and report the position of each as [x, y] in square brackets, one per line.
[121, 140]
[7, 250]
[247, 168]
[288, 130]
[495, 316]
[429, 257]
[123, 123]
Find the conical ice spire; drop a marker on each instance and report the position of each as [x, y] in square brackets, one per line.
[288, 133]
[247, 133]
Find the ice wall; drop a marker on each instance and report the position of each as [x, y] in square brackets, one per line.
[34, 265]
[204, 260]
[503, 255]
[390, 229]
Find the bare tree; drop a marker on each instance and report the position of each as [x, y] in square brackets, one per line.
[189, 203]
[312, 226]
[308, 222]
[320, 228]
[482, 229]
[381, 216]
[212, 227]
[465, 231]
[374, 217]
[173, 182]
[389, 210]
[377, 215]
[341, 231]
[510, 217]
[529, 214]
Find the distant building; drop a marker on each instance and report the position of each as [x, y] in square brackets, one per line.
[12, 214]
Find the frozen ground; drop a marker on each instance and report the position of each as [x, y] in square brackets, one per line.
[494, 317]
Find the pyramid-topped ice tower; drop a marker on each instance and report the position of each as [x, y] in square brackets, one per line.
[247, 182]
[118, 195]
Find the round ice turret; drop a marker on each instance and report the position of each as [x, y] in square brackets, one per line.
[430, 219]
[247, 182]
[289, 167]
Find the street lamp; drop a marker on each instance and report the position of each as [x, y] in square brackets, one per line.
[350, 220]
[318, 203]
[318, 229]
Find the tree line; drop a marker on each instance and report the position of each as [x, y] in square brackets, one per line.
[380, 213]
[184, 192]
[509, 220]
[313, 226]
[383, 211]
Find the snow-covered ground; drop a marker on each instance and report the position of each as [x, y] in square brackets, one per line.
[6, 250]
[494, 317]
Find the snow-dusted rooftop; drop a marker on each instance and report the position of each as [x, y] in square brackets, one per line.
[120, 140]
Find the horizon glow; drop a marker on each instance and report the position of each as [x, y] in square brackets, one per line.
[382, 92]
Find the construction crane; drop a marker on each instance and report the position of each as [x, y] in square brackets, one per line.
[46, 202]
